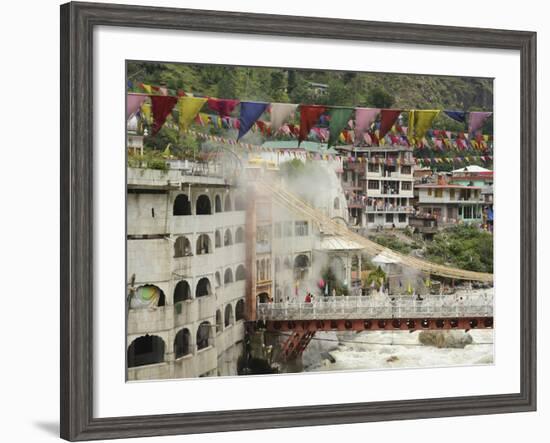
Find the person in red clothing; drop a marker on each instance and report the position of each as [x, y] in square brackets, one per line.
[308, 298]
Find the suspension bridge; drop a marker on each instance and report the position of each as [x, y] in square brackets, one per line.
[363, 313]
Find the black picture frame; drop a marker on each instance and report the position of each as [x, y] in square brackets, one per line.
[77, 218]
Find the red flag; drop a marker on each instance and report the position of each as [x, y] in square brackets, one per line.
[162, 105]
[309, 115]
[387, 119]
[223, 106]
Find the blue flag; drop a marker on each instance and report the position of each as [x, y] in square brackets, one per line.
[459, 116]
[250, 112]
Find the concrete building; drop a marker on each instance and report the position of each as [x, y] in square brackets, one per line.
[186, 274]
[450, 203]
[379, 186]
[203, 247]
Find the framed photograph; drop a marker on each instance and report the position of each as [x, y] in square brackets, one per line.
[292, 221]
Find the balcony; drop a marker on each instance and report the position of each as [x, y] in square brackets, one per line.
[147, 320]
[382, 209]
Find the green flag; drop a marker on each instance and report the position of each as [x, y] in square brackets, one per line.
[339, 118]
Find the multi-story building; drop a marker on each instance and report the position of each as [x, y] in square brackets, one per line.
[186, 274]
[202, 250]
[450, 203]
[379, 182]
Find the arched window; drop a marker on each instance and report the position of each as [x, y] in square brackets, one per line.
[218, 279]
[145, 350]
[336, 203]
[228, 316]
[147, 296]
[239, 310]
[227, 204]
[240, 273]
[203, 335]
[182, 247]
[227, 238]
[264, 297]
[218, 239]
[203, 288]
[239, 203]
[301, 261]
[262, 270]
[182, 343]
[182, 205]
[203, 244]
[228, 276]
[203, 205]
[301, 267]
[182, 292]
[219, 323]
[239, 235]
[218, 204]
[338, 268]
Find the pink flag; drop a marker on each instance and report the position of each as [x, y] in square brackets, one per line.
[364, 117]
[476, 120]
[133, 103]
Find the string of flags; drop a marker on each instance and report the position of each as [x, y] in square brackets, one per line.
[424, 161]
[330, 124]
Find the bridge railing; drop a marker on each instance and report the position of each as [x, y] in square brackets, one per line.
[373, 307]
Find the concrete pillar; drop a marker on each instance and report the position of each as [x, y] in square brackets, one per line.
[250, 254]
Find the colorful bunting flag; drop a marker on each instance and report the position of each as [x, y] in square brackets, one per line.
[250, 112]
[387, 118]
[338, 120]
[188, 108]
[309, 116]
[223, 106]
[280, 113]
[364, 117]
[459, 116]
[420, 121]
[133, 103]
[162, 105]
[477, 119]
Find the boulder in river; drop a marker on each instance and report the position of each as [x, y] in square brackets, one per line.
[445, 339]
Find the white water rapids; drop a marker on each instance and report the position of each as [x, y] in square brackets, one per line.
[394, 349]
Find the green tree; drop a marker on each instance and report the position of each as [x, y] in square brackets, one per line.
[378, 97]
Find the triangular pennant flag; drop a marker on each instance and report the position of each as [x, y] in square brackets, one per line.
[387, 119]
[250, 112]
[147, 88]
[133, 103]
[223, 106]
[420, 121]
[162, 106]
[309, 115]
[188, 108]
[280, 113]
[476, 120]
[146, 112]
[338, 120]
[459, 116]
[364, 117]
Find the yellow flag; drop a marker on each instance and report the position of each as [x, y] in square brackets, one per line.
[188, 108]
[147, 88]
[420, 121]
[146, 111]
